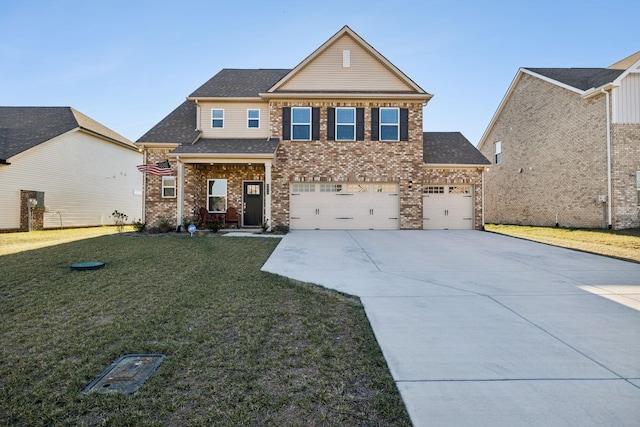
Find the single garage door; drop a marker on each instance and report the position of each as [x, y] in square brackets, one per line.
[447, 207]
[344, 205]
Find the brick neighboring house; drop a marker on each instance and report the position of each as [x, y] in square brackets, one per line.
[334, 143]
[78, 170]
[565, 148]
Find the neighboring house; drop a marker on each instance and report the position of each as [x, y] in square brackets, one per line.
[565, 148]
[334, 143]
[78, 170]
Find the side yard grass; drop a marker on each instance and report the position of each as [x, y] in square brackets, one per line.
[243, 347]
[623, 244]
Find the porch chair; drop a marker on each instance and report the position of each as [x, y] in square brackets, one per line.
[205, 217]
[231, 216]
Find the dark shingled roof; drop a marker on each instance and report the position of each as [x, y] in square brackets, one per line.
[178, 127]
[450, 148]
[22, 128]
[239, 83]
[230, 146]
[580, 78]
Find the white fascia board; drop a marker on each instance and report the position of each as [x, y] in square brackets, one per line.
[552, 81]
[225, 99]
[222, 157]
[338, 95]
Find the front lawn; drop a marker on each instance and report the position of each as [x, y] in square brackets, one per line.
[243, 347]
[623, 244]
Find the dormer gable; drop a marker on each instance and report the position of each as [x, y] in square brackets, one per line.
[346, 64]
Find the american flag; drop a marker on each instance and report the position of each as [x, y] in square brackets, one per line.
[161, 168]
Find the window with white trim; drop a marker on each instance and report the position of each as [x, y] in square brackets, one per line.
[253, 119]
[217, 118]
[389, 124]
[169, 187]
[497, 152]
[217, 195]
[345, 124]
[301, 123]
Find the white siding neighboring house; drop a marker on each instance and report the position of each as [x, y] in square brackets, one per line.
[81, 170]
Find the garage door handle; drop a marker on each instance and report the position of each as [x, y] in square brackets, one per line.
[370, 211]
[317, 211]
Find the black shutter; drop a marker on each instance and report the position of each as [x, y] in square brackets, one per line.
[375, 124]
[286, 123]
[315, 124]
[331, 124]
[404, 124]
[359, 124]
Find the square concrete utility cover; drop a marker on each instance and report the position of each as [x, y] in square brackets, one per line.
[127, 374]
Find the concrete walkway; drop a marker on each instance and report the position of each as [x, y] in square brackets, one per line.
[480, 329]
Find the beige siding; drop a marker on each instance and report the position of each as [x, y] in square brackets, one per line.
[627, 100]
[84, 179]
[235, 120]
[326, 72]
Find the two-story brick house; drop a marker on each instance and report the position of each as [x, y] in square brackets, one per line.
[334, 143]
[565, 144]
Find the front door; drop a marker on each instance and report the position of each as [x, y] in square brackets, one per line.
[253, 201]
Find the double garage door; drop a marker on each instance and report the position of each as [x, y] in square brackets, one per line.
[357, 205]
[447, 207]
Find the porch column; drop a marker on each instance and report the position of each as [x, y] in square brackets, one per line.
[180, 194]
[267, 192]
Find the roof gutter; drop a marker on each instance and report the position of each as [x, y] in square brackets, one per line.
[590, 93]
[4, 162]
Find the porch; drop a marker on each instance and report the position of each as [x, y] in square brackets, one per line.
[220, 174]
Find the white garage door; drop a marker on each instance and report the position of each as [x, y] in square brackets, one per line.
[355, 206]
[447, 207]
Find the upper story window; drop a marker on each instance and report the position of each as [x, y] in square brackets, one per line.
[497, 152]
[345, 124]
[168, 187]
[301, 123]
[253, 119]
[217, 118]
[389, 124]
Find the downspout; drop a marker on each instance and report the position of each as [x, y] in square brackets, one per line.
[482, 204]
[144, 189]
[609, 190]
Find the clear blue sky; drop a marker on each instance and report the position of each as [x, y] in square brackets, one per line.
[127, 64]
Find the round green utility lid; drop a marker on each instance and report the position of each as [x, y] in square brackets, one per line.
[91, 265]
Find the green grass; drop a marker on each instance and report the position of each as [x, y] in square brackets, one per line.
[243, 347]
[623, 244]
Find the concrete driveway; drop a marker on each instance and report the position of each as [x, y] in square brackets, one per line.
[480, 329]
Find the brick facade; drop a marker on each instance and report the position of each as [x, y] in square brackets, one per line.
[554, 158]
[363, 161]
[37, 213]
[625, 147]
[328, 161]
